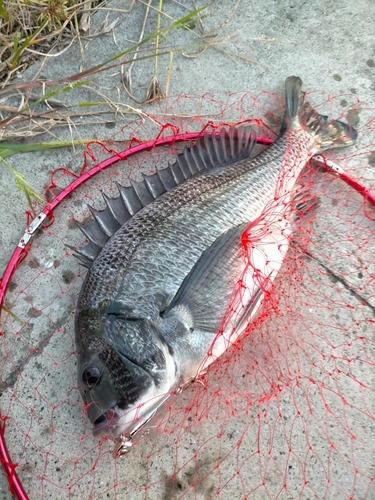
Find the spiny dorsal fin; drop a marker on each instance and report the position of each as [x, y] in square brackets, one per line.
[209, 152]
[105, 220]
[94, 233]
[87, 254]
[142, 192]
[154, 184]
[117, 209]
[130, 198]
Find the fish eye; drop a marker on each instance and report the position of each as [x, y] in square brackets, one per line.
[91, 376]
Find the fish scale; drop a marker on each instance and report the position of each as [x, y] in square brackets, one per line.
[153, 310]
[103, 279]
[182, 245]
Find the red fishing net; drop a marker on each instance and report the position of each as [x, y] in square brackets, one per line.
[287, 412]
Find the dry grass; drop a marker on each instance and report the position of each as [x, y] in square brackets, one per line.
[32, 28]
[69, 23]
[42, 28]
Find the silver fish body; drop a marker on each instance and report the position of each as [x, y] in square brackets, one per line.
[156, 295]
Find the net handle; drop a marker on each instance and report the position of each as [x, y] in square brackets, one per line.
[15, 485]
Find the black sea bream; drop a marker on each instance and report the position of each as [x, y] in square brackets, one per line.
[166, 255]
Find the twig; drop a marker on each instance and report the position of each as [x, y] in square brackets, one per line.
[169, 74]
[154, 90]
[126, 77]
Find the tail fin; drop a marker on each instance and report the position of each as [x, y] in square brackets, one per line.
[327, 134]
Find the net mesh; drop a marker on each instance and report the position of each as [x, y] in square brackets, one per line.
[287, 412]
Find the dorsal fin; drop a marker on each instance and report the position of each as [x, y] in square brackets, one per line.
[105, 220]
[209, 152]
[94, 233]
[117, 209]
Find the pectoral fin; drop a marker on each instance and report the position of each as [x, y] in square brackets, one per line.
[207, 289]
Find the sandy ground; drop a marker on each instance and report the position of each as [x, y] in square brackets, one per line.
[329, 44]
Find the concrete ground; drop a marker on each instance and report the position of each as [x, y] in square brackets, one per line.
[329, 44]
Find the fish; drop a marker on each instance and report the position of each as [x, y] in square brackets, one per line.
[180, 262]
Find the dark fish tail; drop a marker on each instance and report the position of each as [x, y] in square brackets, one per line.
[298, 113]
[293, 101]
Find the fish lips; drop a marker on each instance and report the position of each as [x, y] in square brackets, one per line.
[103, 418]
[96, 411]
[101, 403]
[106, 423]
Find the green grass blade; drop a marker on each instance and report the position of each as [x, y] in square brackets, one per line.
[14, 316]
[54, 92]
[3, 13]
[13, 149]
[24, 186]
[20, 48]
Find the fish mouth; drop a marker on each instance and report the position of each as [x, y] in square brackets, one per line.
[106, 423]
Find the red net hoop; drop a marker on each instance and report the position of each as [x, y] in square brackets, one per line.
[287, 412]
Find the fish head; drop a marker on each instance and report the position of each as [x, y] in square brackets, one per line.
[120, 389]
[110, 386]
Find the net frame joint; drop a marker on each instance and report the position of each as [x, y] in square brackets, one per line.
[328, 164]
[30, 231]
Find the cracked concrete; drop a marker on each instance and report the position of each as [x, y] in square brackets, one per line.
[329, 44]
